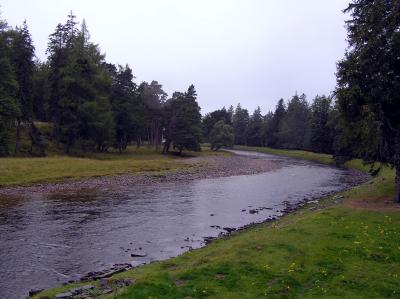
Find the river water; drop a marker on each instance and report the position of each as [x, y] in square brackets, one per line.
[49, 239]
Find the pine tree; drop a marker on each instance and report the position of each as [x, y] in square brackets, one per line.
[254, 132]
[292, 133]
[123, 101]
[22, 53]
[9, 108]
[184, 130]
[368, 78]
[271, 134]
[80, 84]
[240, 125]
[221, 136]
[321, 133]
[153, 97]
[210, 119]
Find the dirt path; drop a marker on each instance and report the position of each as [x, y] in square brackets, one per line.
[374, 204]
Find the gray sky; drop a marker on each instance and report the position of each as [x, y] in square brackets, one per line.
[249, 51]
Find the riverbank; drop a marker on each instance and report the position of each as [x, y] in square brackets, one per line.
[24, 176]
[55, 168]
[337, 248]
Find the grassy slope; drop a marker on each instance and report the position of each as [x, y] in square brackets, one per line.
[322, 158]
[335, 252]
[55, 168]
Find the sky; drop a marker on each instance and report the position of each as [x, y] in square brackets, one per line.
[249, 51]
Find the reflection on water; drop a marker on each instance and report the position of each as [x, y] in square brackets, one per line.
[49, 239]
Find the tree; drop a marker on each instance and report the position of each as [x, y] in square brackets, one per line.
[123, 96]
[274, 124]
[368, 82]
[210, 119]
[9, 108]
[40, 91]
[254, 131]
[153, 97]
[240, 124]
[266, 129]
[221, 135]
[321, 133]
[80, 84]
[22, 53]
[293, 129]
[183, 122]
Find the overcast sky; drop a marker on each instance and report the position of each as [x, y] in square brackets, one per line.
[249, 51]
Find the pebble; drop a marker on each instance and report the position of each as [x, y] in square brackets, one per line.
[67, 295]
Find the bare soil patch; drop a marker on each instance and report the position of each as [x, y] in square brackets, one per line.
[374, 204]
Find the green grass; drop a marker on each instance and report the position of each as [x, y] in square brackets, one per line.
[334, 252]
[310, 156]
[56, 168]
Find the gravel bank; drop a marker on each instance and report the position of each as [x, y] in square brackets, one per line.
[200, 168]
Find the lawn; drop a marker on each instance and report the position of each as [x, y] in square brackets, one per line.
[335, 251]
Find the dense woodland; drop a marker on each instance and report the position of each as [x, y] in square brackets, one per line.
[77, 101]
[294, 124]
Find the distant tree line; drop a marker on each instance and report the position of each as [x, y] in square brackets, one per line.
[293, 125]
[89, 104]
[361, 119]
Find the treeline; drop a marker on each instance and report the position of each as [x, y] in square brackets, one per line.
[295, 124]
[87, 103]
[363, 121]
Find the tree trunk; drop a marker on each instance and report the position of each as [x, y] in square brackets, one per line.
[166, 147]
[397, 199]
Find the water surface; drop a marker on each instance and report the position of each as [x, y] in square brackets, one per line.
[49, 239]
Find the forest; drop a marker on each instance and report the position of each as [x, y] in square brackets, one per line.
[77, 101]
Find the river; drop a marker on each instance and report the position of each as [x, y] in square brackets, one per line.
[48, 239]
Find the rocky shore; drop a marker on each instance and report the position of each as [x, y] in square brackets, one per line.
[198, 168]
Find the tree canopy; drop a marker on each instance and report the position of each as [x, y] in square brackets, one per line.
[221, 136]
[368, 91]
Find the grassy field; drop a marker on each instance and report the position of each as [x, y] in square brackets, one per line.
[347, 250]
[317, 157]
[56, 168]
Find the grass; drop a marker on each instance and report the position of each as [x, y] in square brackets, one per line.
[56, 168]
[304, 155]
[333, 252]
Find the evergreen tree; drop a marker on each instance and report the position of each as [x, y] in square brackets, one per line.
[80, 85]
[240, 124]
[368, 78]
[153, 97]
[321, 133]
[210, 119]
[221, 136]
[9, 108]
[254, 131]
[22, 53]
[293, 130]
[40, 92]
[183, 128]
[274, 125]
[123, 96]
